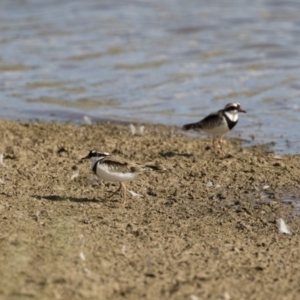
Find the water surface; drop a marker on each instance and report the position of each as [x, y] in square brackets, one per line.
[169, 62]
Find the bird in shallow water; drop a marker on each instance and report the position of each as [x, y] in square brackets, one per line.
[116, 169]
[218, 123]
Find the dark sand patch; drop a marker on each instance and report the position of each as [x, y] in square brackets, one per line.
[205, 228]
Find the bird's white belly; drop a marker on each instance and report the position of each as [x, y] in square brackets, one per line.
[105, 173]
[222, 129]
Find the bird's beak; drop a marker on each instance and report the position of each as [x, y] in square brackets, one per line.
[241, 110]
[86, 157]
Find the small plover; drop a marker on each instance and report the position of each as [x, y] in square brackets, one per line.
[218, 123]
[116, 169]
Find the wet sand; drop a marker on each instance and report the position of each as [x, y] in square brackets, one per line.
[203, 229]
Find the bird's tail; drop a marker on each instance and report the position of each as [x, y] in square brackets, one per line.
[190, 126]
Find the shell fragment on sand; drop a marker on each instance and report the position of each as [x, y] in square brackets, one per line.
[82, 256]
[74, 175]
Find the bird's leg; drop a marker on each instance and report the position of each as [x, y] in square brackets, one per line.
[123, 187]
[120, 187]
[221, 145]
[214, 145]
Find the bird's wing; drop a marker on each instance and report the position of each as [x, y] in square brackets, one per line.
[211, 121]
[118, 164]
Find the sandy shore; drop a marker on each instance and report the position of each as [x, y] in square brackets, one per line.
[203, 229]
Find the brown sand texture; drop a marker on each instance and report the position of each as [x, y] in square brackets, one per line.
[205, 228]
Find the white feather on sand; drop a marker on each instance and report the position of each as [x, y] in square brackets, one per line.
[136, 131]
[134, 194]
[282, 227]
[87, 120]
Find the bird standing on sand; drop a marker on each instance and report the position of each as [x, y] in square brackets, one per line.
[218, 123]
[116, 169]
